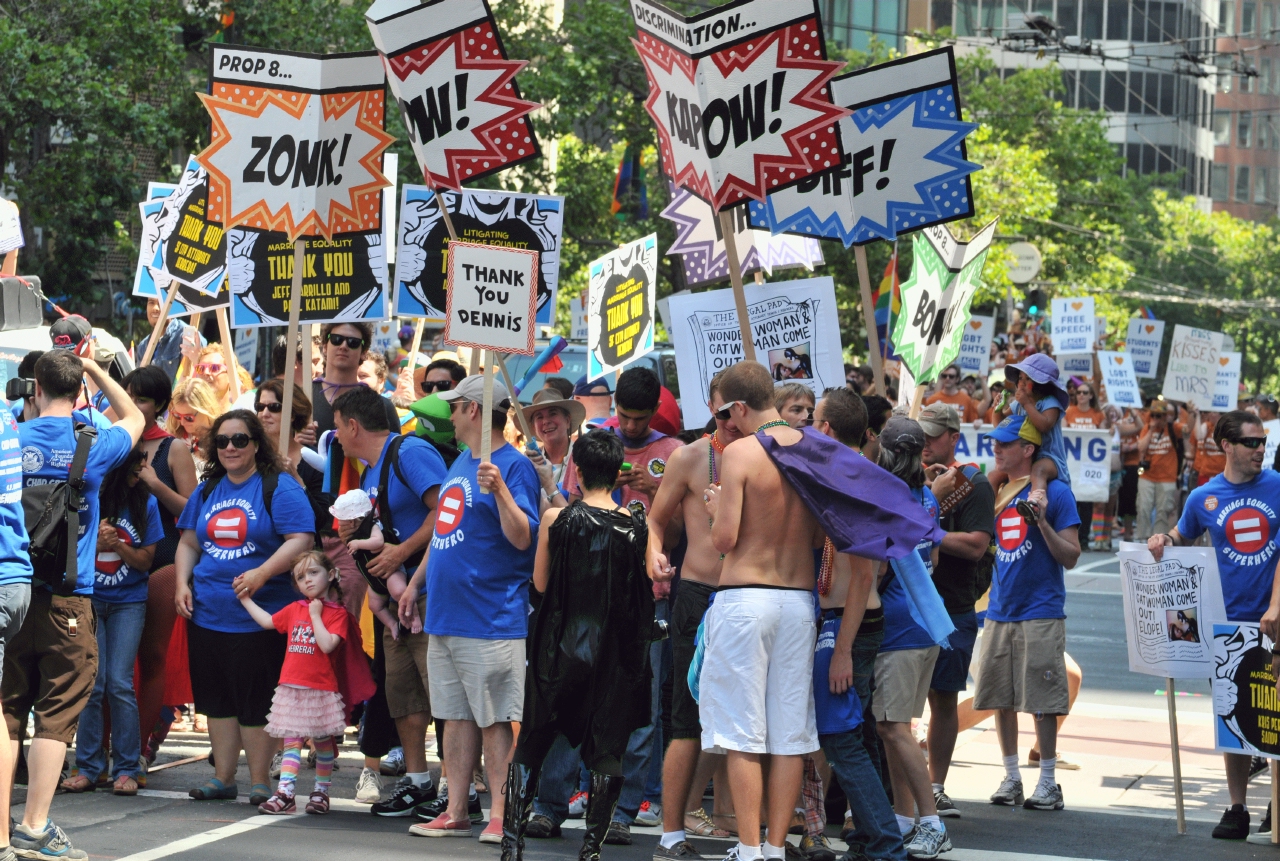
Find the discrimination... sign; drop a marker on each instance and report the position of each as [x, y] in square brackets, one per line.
[793, 324]
[621, 293]
[492, 295]
[1246, 709]
[1170, 607]
[975, 346]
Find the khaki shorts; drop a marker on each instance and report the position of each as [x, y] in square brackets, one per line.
[406, 662]
[1023, 667]
[476, 680]
[902, 684]
[49, 669]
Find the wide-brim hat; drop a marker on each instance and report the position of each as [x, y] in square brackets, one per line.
[577, 412]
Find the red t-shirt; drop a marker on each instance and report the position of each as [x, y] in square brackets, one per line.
[305, 664]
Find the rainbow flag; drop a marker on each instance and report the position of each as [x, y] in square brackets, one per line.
[630, 196]
[887, 299]
[1147, 313]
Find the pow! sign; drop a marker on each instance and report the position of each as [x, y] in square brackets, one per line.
[456, 88]
[739, 96]
[297, 141]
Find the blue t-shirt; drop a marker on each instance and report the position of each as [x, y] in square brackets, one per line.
[1053, 446]
[117, 582]
[1242, 520]
[236, 533]
[424, 469]
[48, 444]
[900, 630]
[1028, 583]
[836, 712]
[477, 583]
[15, 562]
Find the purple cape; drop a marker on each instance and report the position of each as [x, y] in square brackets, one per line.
[864, 509]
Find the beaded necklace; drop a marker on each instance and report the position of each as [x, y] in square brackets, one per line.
[711, 471]
[825, 569]
[776, 423]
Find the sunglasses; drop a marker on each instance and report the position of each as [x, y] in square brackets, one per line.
[211, 369]
[185, 418]
[437, 386]
[950, 376]
[337, 340]
[238, 440]
[723, 413]
[1250, 441]
[275, 407]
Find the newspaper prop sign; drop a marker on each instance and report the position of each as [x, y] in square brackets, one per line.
[936, 298]
[739, 95]
[1074, 326]
[492, 295]
[700, 243]
[1192, 372]
[1169, 609]
[975, 346]
[150, 279]
[1246, 710]
[1088, 458]
[195, 252]
[902, 163]
[1142, 342]
[621, 289]
[1117, 375]
[500, 218]
[1226, 389]
[456, 88]
[794, 326]
[297, 141]
[10, 227]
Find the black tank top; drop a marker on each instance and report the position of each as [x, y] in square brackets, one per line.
[167, 547]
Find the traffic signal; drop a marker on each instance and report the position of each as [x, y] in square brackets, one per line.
[1037, 303]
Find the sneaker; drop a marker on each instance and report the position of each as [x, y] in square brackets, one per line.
[541, 827]
[578, 805]
[817, 848]
[435, 809]
[619, 834]
[392, 764]
[1264, 830]
[928, 841]
[369, 787]
[52, 842]
[404, 799]
[276, 761]
[682, 851]
[279, 805]
[492, 832]
[946, 807]
[848, 829]
[1257, 765]
[649, 815]
[1048, 796]
[442, 826]
[1009, 793]
[1234, 824]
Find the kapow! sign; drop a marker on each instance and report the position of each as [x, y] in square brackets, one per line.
[297, 141]
[902, 165]
[455, 86]
[621, 289]
[739, 96]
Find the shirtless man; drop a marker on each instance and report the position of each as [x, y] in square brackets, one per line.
[688, 474]
[757, 677]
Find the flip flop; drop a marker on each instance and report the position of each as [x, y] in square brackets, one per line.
[77, 783]
[214, 790]
[258, 793]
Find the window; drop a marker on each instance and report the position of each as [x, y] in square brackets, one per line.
[966, 23]
[1115, 93]
[1151, 93]
[1218, 186]
[1066, 18]
[1092, 24]
[1069, 88]
[1248, 17]
[1244, 129]
[1261, 185]
[1264, 77]
[1226, 18]
[1091, 90]
[1248, 83]
[1222, 128]
[1242, 183]
[1133, 158]
[1117, 19]
[940, 14]
[1224, 82]
[1166, 95]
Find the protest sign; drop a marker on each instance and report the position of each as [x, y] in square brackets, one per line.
[1088, 457]
[246, 345]
[195, 252]
[10, 227]
[1142, 343]
[975, 346]
[492, 296]
[1169, 609]
[449, 72]
[385, 336]
[578, 328]
[500, 218]
[793, 324]
[1075, 365]
[1226, 389]
[1099, 332]
[902, 163]
[151, 280]
[936, 298]
[621, 317]
[297, 141]
[1273, 442]
[1246, 710]
[700, 243]
[739, 95]
[1192, 372]
[1074, 326]
[1117, 375]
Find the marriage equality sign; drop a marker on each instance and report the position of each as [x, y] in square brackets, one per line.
[492, 295]
[508, 219]
[1191, 374]
[1074, 325]
[195, 252]
[1170, 607]
[739, 95]
[901, 164]
[621, 293]
[794, 325]
[455, 86]
[1246, 709]
[1142, 342]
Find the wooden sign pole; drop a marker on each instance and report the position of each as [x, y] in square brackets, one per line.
[869, 318]
[515, 401]
[486, 413]
[422, 321]
[735, 277]
[916, 399]
[291, 338]
[159, 326]
[1177, 760]
[229, 355]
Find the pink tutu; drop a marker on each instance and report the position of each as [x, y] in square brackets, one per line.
[305, 713]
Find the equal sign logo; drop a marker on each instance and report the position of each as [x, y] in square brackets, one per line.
[1248, 530]
[449, 512]
[227, 528]
[1012, 529]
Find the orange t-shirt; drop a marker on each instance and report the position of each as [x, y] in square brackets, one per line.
[1082, 419]
[1162, 454]
[1210, 459]
[960, 400]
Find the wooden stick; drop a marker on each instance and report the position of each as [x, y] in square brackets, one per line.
[473, 364]
[869, 317]
[486, 413]
[200, 757]
[915, 402]
[422, 321]
[1275, 798]
[291, 338]
[515, 401]
[306, 347]
[159, 326]
[735, 277]
[759, 274]
[10, 267]
[1177, 759]
[229, 355]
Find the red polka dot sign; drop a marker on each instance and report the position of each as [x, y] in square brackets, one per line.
[739, 96]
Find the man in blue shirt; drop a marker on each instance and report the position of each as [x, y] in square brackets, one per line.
[50, 666]
[15, 575]
[1023, 664]
[1240, 509]
[168, 352]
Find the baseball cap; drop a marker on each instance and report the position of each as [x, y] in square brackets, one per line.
[596, 388]
[937, 419]
[902, 435]
[69, 332]
[472, 389]
[1015, 428]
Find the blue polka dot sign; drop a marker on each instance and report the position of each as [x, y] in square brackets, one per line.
[903, 164]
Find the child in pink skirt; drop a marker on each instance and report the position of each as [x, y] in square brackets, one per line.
[307, 702]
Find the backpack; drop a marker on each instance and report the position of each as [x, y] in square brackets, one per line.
[52, 515]
[392, 461]
[269, 483]
[985, 567]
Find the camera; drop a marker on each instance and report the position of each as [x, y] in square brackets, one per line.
[1143, 466]
[20, 388]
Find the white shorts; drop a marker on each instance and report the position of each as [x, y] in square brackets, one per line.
[756, 686]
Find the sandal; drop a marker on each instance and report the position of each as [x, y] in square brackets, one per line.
[213, 790]
[1029, 510]
[259, 793]
[77, 783]
[318, 802]
[125, 785]
[699, 824]
[278, 804]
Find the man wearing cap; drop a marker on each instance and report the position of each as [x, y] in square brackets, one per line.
[477, 585]
[1023, 665]
[951, 393]
[1157, 473]
[554, 421]
[967, 504]
[596, 398]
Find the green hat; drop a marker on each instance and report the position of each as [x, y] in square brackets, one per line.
[433, 418]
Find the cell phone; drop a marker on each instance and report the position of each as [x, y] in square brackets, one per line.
[626, 467]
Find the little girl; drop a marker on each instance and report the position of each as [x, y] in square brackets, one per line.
[355, 505]
[307, 702]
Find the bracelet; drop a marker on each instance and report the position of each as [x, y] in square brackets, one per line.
[1172, 543]
[1275, 650]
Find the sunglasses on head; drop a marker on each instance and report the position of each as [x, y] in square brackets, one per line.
[723, 413]
[238, 440]
[211, 369]
[1250, 441]
[352, 343]
[273, 407]
[437, 386]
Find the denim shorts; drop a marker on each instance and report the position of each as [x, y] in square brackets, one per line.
[951, 672]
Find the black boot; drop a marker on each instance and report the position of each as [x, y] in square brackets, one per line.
[522, 782]
[603, 800]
